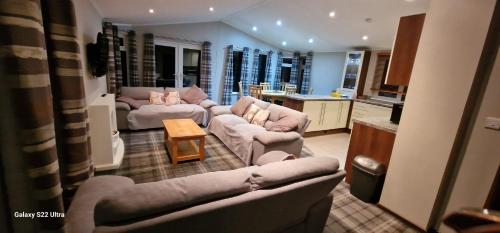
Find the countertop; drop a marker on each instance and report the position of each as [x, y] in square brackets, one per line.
[316, 97]
[381, 123]
[382, 103]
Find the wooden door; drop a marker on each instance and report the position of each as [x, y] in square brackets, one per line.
[314, 111]
[405, 49]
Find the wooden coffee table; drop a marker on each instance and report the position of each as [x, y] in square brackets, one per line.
[180, 140]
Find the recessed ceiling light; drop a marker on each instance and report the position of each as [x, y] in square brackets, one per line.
[365, 37]
[409, 0]
[151, 11]
[211, 9]
[283, 43]
[331, 14]
[311, 40]
[279, 23]
[254, 28]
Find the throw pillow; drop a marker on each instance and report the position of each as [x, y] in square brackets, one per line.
[194, 95]
[172, 98]
[261, 117]
[250, 113]
[241, 105]
[134, 104]
[207, 103]
[156, 97]
[285, 124]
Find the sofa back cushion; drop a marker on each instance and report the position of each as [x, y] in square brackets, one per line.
[274, 174]
[280, 112]
[139, 93]
[142, 200]
[195, 95]
[133, 103]
[240, 107]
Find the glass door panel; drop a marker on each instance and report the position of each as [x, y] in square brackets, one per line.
[353, 64]
[166, 65]
[190, 67]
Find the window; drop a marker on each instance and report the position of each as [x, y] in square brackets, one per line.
[262, 68]
[237, 58]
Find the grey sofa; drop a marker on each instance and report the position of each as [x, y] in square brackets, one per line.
[249, 141]
[289, 196]
[150, 116]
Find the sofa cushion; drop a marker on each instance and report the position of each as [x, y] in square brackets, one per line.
[156, 97]
[151, 116]
[285, 124]
[172, 98]
[288, 171]
[207, 103]
[241, 105]
[274, 156]
[139, 93]
[195, 95]
[161, 197]
[261, 117]
[250, 112]
[229, 120]
[270, 137]
[279, 112]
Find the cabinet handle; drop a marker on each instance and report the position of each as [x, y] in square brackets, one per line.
[340, 114]
[322, 116]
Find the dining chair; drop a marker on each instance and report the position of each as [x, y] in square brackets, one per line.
[266, 86]
[310, 91]
[255, 91]
[290, 90]
[241, 88]
[283, 86]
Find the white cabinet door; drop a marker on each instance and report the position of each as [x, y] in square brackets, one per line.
[343, 113]
[331, 115]
[314, 111]
[360, 110]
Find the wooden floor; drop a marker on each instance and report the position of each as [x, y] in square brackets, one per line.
[331, 145]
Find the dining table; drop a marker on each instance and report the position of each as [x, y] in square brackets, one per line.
[273, 95]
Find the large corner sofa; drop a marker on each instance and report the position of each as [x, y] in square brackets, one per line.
[250, 141]
[289, 196]
[150, 116]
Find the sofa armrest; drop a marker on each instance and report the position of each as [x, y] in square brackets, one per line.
[122, 106]
[220, 110]
[270, 137]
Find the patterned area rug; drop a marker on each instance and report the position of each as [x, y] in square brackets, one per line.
[146, 160]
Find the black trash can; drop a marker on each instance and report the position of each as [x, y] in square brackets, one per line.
[367, 179]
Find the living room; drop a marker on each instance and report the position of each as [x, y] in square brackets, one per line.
[249, 116]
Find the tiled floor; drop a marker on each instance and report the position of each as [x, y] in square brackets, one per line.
[331, 145]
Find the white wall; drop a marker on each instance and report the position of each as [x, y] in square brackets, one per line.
[481, 158]
[89, 23]
[326, 72]
[450, 46]
[221, 35]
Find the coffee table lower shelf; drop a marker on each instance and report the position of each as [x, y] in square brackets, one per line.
[183, 150]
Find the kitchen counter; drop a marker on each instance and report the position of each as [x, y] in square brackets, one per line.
[382, 103]
[381, 123]
[316, 98]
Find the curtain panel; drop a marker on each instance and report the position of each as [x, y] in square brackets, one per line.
[244, 71]
[107, 29]
[42, 85]
[294, 73]
[268, 78]
[307, 74]
[149, 63]
[118, 61]
[133, 68]
[206, 69]
[228, 78]
[255, 67]
[277, 75]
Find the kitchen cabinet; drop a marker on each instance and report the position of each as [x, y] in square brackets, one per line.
[360, 110]
[326, 115]
[404, 50]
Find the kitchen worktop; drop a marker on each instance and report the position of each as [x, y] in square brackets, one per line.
[316, 97]
[381, 123]
[377, 102]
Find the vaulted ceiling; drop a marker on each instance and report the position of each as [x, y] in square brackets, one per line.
[302, 20]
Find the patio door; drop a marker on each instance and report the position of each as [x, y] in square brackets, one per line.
[177, 64]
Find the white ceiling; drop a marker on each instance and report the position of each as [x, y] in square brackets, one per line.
[302, 19]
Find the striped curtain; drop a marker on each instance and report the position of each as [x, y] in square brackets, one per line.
[206, 69]
[149, 66]
[107, 29]
[255, 67]
[118, 60]
[304, 89]
[47, 111]
[228, 78]
[268, 66]
[277, 76]
[294, 73]
[244, 71]
[133, 68]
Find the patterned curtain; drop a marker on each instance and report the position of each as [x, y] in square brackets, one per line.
[277, 76]
[228, 78]
[48, 112]
[304, 89]
[268, 66]
[206, 69]
[255, 67]
[118, 60]
[294, 73]
[133, 69]
[244, 71]
[149, 66]
[107, 29]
